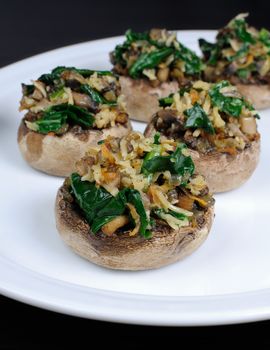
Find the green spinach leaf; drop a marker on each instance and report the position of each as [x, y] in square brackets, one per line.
[243, 73]
[50, 78]
[77, 115]
[100, 207]
[210, 51]
[176, 163]
[229, 105]
[55, 117]
[27, 89]
[168, 101]
[51, 122]
[264, 37]
[149, 60]
[117, 54]
[90, 198]
[197, 118]
[193, 64]
[108, 212]
[132, 36]
[240, 27]
[57, 93]
[129, 195]
[243, 51]
[157, 138]
[96, 96]
[179, 216]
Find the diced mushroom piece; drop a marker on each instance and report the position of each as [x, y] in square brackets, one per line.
[26, 103]
[41, 87]
[110, 95]
[230, 91]
[83, 165]
[163, 74]
[248, 125]
[173, 196]
[82, 100]
[235, 44]
[112, 226]
[70, 75]
[155, 34]
[185, 202]
[37, 95]
[234, 128]
[264, 67]
[40, 106]
[169, 122]
[121, 118]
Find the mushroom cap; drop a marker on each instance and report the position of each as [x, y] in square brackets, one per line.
[142, 99]
[122, 251]
[57, 155]
[223, 172]
[258, 95]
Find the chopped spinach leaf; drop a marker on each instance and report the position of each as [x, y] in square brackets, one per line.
[157, 138]
[179, 216]
[132, 36]
[55, 117]
[149, 60]
[243, 73]
[243, 51]
[210, 51]
[240, 27]
[96, 96]
[168, 101]
[229, 105]
[55, 74]
[193, 64]
[264, 37]
[117, 55]
[197, 118]
[100, 207]
[90, 198]
[177, 163]
[50, 122]
[27, 89]
[57, 94]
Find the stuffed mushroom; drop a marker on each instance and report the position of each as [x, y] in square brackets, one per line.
[240, 55]
[69, 109]
[219, 127]
[152, 65]
[134, 203]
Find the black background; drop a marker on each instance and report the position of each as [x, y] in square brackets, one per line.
[33, 26]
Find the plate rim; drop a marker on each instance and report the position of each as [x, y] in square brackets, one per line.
[219, 312]
[237, 312]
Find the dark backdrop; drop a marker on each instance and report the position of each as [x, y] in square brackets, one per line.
[28, 27]
[33, 26]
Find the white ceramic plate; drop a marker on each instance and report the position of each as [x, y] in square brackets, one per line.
[226, 281]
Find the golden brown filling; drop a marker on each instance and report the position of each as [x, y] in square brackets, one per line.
[147, 179]
[69, 96]
[156, 56]
[208, 118]
[240, 54]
